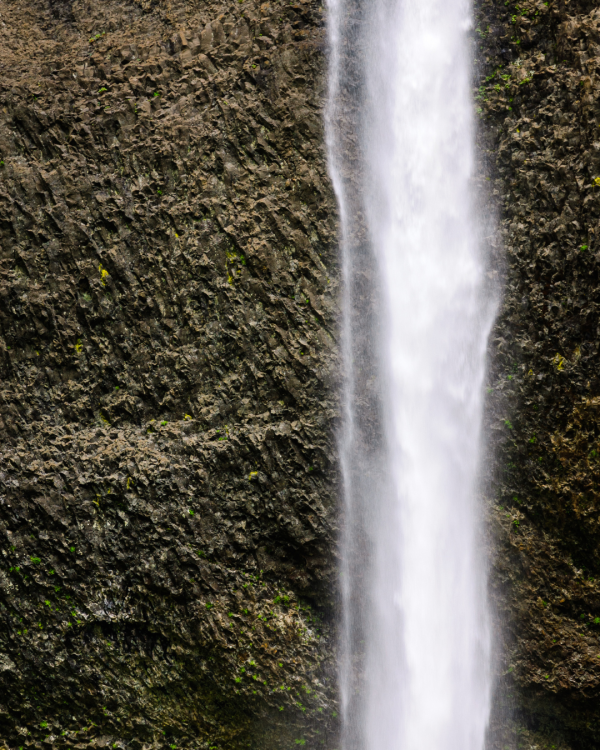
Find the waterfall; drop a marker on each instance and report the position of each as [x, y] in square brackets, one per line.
[417, 311]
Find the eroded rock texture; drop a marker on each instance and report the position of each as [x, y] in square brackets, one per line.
[167, 356]
[168, 371]
[539, 127]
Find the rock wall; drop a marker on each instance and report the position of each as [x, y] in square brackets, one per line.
[539, 117]
[167, 367]
[168, 373]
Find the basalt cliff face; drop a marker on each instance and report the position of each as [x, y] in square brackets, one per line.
[169, 373]
[539, 118]
[167, 365]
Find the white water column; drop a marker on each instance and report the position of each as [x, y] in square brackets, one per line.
[415, 650]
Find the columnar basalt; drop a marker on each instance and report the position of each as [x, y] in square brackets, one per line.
[169, 370]
[168, 359]
[537, 100]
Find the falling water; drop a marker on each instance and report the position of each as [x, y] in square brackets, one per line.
[417, 312]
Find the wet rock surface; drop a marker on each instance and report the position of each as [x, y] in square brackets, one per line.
[539, 134]
[168, 363]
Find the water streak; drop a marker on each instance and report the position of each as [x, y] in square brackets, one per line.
[415, 672]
